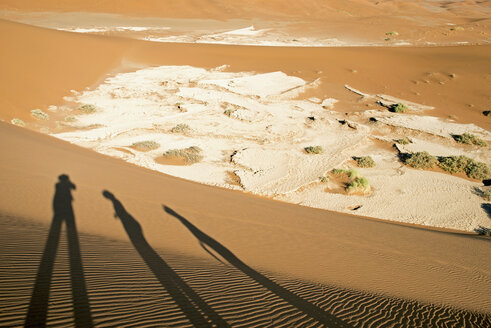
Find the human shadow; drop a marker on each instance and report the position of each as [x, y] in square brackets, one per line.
[38, 306]
[191, 304]
[306, 307]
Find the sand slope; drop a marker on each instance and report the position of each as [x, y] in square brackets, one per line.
[302, 243]
[123, 292]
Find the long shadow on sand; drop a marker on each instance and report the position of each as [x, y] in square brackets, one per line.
[38, 307]
[191, 304]
[306, 307]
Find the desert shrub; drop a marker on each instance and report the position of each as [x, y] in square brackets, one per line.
[454, 164]
[470, 139]
[473, 169]
[181, 128]
[403, 141]
[145, 145]
[398, 108]
[87, 108]
[487, 195]
[190, 155]
[421, 160]
[18, 122]
[487, 113]
[70, 118]
[229, 112]
[392, 33]
[351, 173]
[365, 161]
[39, 114]
[478, 170]
[358, 184]
[314, 150]
[324, 179]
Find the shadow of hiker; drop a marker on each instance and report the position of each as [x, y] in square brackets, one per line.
[191, 304]
[38, 307]
[306, 307]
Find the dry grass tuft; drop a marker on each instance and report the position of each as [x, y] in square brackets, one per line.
[18, 122]
[314, 150]
[365, 161]
[39, 115]
[87, 108]
[190, 155]
[181, 128]
[145, 145]
[470, 139]
[420, 160]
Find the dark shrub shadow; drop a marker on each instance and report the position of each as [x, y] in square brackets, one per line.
[38, 307]
[296, 301]
[483, 231]
[487, 208]
[191, 304]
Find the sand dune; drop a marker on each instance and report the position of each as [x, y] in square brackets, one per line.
[298, 242]
[333, 22]
[49, 74]
[90, 240]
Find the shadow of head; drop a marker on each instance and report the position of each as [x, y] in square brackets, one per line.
[63, 178]
[108, 195]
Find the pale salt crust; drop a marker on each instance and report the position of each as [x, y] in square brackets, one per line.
[255, 126]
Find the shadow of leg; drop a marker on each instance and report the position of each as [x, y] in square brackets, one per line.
[38, 307]
[81, 307]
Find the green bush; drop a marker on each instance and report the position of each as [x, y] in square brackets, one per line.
[470, 139]
[145, 145]
[87, 108]
[190, 155]
[421, 160]
[358, 184]
[39, 114]
[314, 150]
[365, 161]
[398, 108]
[324, 179]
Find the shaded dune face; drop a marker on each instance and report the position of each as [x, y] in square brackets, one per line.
[124, 291]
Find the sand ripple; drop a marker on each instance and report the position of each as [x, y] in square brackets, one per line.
[123, 292]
